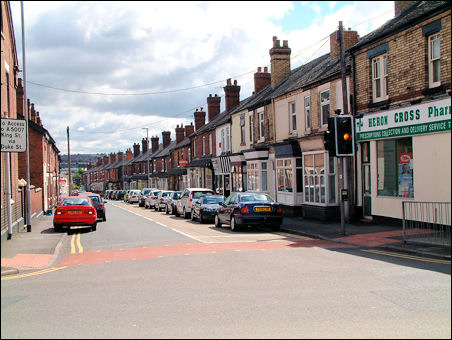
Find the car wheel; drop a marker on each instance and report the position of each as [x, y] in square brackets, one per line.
[105, 218]
[234, 226]
[192, 215]
[94, 227]
[176, 213]
[166, 210]
[57, 227]
[155, 208]
[186, 214]
[217, 222]
[200, 218]
[275, 227]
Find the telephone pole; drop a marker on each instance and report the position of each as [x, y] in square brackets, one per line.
[69, 162]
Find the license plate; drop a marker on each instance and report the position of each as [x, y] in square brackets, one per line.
[262, 209]
[74, 212]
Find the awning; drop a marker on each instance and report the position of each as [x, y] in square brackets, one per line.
[159, 175]
[287, 149]
[221, 165]
[177, 171]
[204, 162]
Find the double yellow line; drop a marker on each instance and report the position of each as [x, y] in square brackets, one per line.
[410, 257]
[44, 271]
[76, 238]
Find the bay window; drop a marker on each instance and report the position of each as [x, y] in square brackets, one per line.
[320, 179]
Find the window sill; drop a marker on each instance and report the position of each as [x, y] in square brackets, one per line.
[381, 104]
[433, 90]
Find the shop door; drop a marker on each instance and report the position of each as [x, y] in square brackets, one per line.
[367, 189]
[227, 188]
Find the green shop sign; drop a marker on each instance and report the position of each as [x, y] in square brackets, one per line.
[413, 120]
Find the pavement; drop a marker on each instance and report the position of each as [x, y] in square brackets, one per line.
[39, 248]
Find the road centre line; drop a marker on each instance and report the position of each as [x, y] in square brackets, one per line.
[416, 258]
[79, 244]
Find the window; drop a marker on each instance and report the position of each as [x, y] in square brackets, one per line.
[228, 140]
[242, 128]
[251, 127]
[380, 78]
[292, 118]
[264, 176]
[325, 106]
[253, 176]
[307, 112]
[210, 144]
[284, 175]
[395, 168]
[222, 141]
[261, 125]
[434, 60]
[203, 145]
[320, 179]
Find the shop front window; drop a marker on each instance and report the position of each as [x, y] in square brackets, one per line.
[395, 168]
[285, 175]
[319, 178]
[253, 176]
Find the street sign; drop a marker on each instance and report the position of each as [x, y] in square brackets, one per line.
[14, 135]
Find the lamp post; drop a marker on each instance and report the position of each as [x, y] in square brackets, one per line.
[147, 161]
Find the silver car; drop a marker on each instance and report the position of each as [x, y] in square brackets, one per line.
[160, 202]
[188, 199]
[134, 196]
[171, 202]
[150, 200]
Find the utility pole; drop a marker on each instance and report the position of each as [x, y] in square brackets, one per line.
[344, 160]
[27, 155]
[69, 162]
[147, 161]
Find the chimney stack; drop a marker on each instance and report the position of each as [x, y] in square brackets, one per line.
[128, 154]
[99, 161]
[120, 156]
[33, 113]
[136, 149]
[232, 94]
[155, 143]
[112, 157]
[144, 145]
[106, 159]
[166, 138]
[20, 98]
[180, 133]
[280, 61]
[261, 79]
[213, 106]
[350, 39]
[399, 6]
[189, 129]
[200, 118]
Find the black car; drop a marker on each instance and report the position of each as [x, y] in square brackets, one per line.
[249, 209]
[98, 203]
[205, 208]
[121, 194]
[171, 202]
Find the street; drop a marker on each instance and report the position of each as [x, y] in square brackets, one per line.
[144, 274]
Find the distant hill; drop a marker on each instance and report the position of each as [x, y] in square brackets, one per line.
[79, 160]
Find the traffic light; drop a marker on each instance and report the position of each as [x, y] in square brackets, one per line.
[328, 138]
[345, 136]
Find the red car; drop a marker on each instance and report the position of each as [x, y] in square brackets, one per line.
[75, 211]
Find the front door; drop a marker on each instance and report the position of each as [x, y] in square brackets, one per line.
[367, 188]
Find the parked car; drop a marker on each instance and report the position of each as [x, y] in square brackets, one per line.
[170, 207]
[160, 202]
[205, 208]
[120, 194]
[107, 193]
[75, 211]
[145, 193]
[188, 198]
[249, 209]
[126, 196]
[149, 201]
[134, 196]
[98, 203]
[113, 194]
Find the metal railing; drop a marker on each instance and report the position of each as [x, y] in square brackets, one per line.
[427, 222]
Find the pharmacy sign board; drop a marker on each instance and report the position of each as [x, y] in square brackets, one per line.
[14, 135]
[424, 118]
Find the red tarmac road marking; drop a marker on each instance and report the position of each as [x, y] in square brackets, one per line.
[195, 248]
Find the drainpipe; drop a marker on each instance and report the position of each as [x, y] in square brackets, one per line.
[353, 105]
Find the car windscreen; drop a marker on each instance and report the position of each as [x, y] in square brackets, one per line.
[212, 200]
[94, 199]
[256, 198]
[176, 195]
[198, 194]
[67, 202]
[146, 192]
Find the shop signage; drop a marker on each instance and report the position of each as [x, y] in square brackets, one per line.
[183, 162]
[413, 120]
[14, 135]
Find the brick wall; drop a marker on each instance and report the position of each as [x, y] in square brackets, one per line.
[408, 69]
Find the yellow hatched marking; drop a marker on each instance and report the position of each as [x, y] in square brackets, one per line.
[410, 257]
[44, 271]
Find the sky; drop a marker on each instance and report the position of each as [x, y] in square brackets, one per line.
[116, 72]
